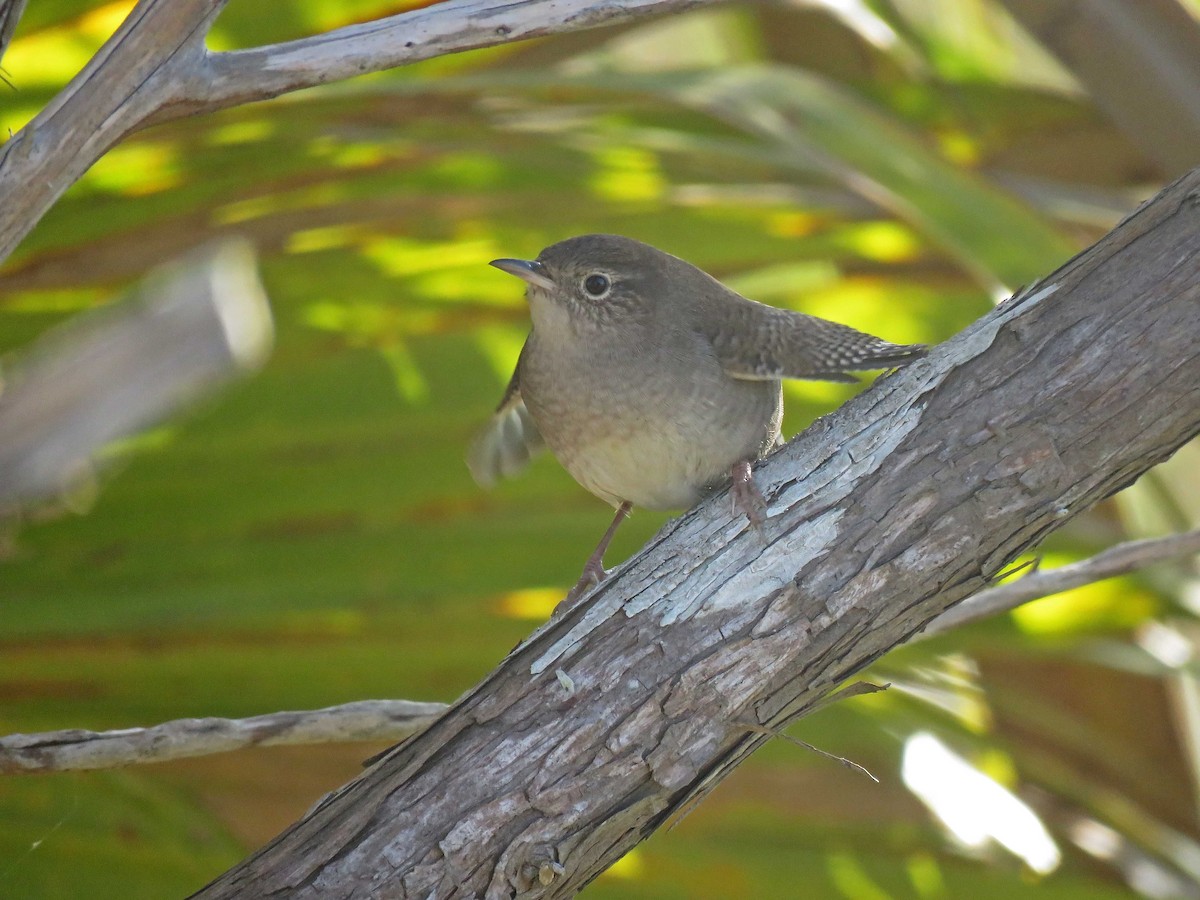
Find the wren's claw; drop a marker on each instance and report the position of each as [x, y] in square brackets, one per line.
[593, 573]
[593, 569]
[747, 498]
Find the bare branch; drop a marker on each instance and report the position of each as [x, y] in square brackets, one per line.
[10, 15]
[243, 76]
[366, 720]
[130, 78]
[108, 374]
[156, 68]
[398, 719]
[848, 763]
[394, 720]
[1118, 560]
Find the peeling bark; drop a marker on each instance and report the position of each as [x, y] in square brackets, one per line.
[910, 498]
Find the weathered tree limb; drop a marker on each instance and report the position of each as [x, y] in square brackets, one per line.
[394, 720]
[75, 749]
[156, 67]
[910, 498]
[107, 374]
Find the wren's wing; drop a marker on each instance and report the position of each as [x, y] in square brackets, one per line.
[759, 342]
[508, 442]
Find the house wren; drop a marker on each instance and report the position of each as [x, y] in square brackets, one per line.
[651, 382]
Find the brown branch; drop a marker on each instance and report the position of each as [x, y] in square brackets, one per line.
[1119, 560]
[155, 68]
[910, 498]
[365, 720]
[369, 720]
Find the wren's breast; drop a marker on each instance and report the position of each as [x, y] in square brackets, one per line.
[658, 442]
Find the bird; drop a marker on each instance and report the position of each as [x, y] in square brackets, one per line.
[651, 382]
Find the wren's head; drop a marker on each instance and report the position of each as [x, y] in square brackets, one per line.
[592, 282]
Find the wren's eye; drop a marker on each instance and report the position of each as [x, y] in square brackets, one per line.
[596, 285]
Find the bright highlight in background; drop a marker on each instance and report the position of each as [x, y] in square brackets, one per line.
[973, 806]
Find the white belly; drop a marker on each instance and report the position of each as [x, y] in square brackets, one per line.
[659, 443]
[667, 464]
[647, 470]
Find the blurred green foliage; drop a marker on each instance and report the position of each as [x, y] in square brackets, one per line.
[311, 536]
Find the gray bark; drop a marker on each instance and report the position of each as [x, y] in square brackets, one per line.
[394, 720]
[77, 749]
[634, 704]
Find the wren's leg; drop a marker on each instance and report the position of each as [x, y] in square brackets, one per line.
[593, 569]
[747, 498]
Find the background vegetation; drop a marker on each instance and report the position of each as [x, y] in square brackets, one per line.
[312, 536]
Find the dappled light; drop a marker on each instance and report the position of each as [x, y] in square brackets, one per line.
[530, 603]
[974, 807]
[311, 536]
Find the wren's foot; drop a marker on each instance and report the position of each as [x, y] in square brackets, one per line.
[593, 569]
[593, 573]
[747, 498]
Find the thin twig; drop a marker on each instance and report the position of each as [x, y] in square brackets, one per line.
[365, 720]
[771, 732]
[856, 689]
[1118, 560]
[10, 15]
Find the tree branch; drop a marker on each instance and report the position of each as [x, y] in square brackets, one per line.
[10, 14]
[243, 76]
[365, 720]
[905, 501]
[156, 68]
[394, 720]
[1119, 560]
[105, 375]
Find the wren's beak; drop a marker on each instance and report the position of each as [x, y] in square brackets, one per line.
[528, 270]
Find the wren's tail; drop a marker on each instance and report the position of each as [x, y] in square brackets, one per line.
[843, 350]
[882, 355]
[755, 341]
